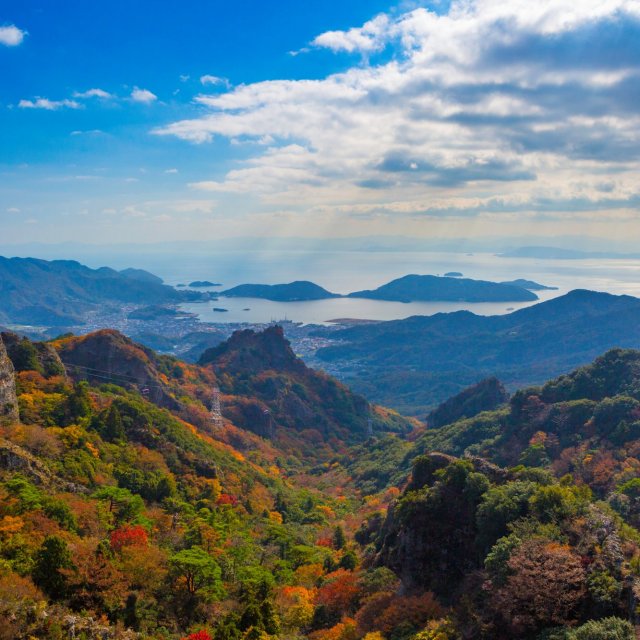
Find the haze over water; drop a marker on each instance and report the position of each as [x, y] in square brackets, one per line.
[347, 271]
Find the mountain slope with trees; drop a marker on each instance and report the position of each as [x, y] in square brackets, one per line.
[414, 364]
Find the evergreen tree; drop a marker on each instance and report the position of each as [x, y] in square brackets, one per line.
[52, 556]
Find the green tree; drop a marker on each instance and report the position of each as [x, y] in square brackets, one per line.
[113, 425]
[52, 556]
[339, 539]
[123, 504]
[199, 573]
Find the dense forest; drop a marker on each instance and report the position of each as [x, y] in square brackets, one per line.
[127, 512]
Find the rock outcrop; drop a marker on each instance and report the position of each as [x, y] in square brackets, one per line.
[107, 356]
[8, 398]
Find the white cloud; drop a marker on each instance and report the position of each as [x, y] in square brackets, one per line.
[208, 79]
[93, 93]
[171, 171]
[90, 132]
[13, 210]
[512, 106]
[372, 36]
[11, 36]
[143, 95]
[49, 105]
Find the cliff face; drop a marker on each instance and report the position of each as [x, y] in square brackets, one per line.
[8, 399]
[109, 356]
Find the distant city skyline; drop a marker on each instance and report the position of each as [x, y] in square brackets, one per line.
[154, 122]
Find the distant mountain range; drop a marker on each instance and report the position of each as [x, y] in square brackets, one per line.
[61, 292]
[414, 364]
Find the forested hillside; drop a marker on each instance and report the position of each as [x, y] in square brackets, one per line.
[417, 363]
[127, 512]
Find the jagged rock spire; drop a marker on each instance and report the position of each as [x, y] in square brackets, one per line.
[8, 398]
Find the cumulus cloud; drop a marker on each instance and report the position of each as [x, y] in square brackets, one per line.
[49, 105]
[514, 106]
[93, 93]
[143, 95]
[11, 36]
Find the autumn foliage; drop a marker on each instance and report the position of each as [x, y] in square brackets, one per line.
[128, 536]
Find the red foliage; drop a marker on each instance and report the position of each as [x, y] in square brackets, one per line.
[128, 535]
[198, 635]
[339, 592]
[546, 588]
[225, 498]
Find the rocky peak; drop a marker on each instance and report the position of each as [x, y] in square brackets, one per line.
[249, 350]
[8, 398]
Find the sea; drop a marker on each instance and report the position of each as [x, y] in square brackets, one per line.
[347, 271]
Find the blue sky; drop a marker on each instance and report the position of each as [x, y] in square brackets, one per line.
[153, 121]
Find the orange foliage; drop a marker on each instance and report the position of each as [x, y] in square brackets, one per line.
[345, 630]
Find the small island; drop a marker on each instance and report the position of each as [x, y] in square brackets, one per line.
[418, 288]
[298, 291]
[453, 274]
[220, 310]
[204, 283]
[530, 285]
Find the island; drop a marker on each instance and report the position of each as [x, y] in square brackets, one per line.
[453, 274]
[530, 285]
[153, 312]
[220, 310]
[427, 288]
[204, 283]
[301, 290]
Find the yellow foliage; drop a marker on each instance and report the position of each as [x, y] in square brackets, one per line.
[70, 436]
[327, 511]
[92, 450]
[275, 516]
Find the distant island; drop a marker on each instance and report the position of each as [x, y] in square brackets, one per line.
[416, 288]
[453, 274]
[301, 290]
[220, 310]
[203, 283]
[557, 253]
[530, 285]
[153, 312]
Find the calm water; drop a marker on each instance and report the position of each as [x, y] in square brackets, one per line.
[343, 272]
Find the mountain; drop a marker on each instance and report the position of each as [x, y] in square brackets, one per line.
[126, 513]
[416, 363]
[530, 285]
[61, 292]
[486, 395]
[141, 275]
[292, 292]
[303, 405]
[413, 288]
[123, 516]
